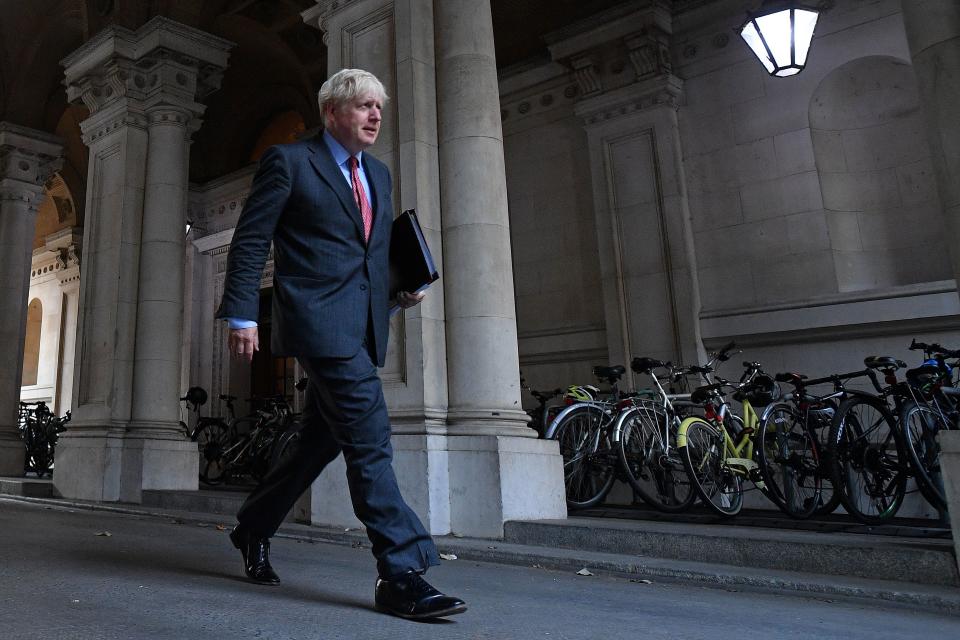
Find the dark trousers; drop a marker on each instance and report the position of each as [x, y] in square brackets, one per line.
[345, 412]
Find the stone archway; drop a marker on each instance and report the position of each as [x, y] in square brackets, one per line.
[876, 176]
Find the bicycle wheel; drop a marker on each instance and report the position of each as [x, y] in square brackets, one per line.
[921, 424]
[212, 440]
[587, 456]
[703, 452]
[868, 461]
[651, 462]
[789, 459]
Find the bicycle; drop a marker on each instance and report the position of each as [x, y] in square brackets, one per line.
[541, 416]
[932, 407]
[40, 431]
[717, 449]
[583, 431]
[866, 451]
[646, 435]
[211, 433]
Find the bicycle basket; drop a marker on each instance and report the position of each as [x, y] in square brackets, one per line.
[763, 390]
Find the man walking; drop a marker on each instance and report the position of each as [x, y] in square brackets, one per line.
[326, 206]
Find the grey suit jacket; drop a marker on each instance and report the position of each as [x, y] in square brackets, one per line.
[328, 284]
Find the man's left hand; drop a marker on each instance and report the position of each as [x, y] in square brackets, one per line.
[407, 300]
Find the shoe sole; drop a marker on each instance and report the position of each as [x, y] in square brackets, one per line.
[423, 616]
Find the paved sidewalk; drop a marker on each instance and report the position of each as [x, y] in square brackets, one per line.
[166, 577]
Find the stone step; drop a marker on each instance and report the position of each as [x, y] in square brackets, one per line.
[914, 560]
[212, 501]
[28, 487]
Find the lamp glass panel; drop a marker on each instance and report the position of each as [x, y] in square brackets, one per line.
[752, 37]
[804, 24]
[789, 71]
[775, 28]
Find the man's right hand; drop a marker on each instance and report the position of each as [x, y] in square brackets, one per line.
[243, 342]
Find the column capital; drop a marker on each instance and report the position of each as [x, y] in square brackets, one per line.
[318, 16]
[27, 160]
[163, 63]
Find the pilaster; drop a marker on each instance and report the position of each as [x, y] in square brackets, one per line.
[27, 159]
[628, 107]
[143, 90]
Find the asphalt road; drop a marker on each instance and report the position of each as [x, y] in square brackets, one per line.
[151, 578]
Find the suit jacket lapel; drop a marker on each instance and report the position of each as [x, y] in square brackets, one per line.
[324, 164]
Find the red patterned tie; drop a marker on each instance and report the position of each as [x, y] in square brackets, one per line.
[366, 213]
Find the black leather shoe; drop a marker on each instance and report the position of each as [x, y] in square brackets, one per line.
[256, 556]
[410, 596]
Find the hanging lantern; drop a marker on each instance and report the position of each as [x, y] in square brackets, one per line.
[779, 33]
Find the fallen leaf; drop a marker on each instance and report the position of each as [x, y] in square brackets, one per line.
[105, 534]
[491, 547]
[642, 581]
[536, 566]
[220, 527]
[448, 556]
[457, 535]
[75, 601]
[584, 572]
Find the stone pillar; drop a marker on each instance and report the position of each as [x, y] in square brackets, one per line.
[950, 468]
[452, 368]
[628, 103]
[933, 34]
[27, 159]
[141, 89]
[498, 470]
[394, 41]
[68, 273]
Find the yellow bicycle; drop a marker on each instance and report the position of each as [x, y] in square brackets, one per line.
[717, 449]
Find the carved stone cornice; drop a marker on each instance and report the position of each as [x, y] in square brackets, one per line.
[661, 91]
[633, 35]
[27, 160]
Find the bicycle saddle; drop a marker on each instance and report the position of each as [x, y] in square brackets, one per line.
[646, 365]
[883, 362]
[792, 378]
[611, 374]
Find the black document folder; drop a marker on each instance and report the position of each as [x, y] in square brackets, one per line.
[412, 268]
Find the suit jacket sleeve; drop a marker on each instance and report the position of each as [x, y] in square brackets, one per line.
[253, 235]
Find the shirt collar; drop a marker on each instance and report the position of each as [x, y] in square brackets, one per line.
[340, 155]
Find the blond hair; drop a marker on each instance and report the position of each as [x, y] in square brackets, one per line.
[345, 85]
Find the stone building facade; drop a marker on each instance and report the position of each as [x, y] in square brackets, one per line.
[598, 180]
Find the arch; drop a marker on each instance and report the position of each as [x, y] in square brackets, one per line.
[876, 176]
[31, 343]
[57, 210]
[265, 78]
[282, 128]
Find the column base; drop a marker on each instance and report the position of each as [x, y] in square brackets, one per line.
[950, 468]
[107, 468]
[498, 478]
[12, 453]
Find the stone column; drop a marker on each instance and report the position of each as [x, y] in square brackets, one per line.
[68, 273]
[27, 159]
[141, 89]
[472, 482]
[394, 40]
[498, 470]
[933, 34]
